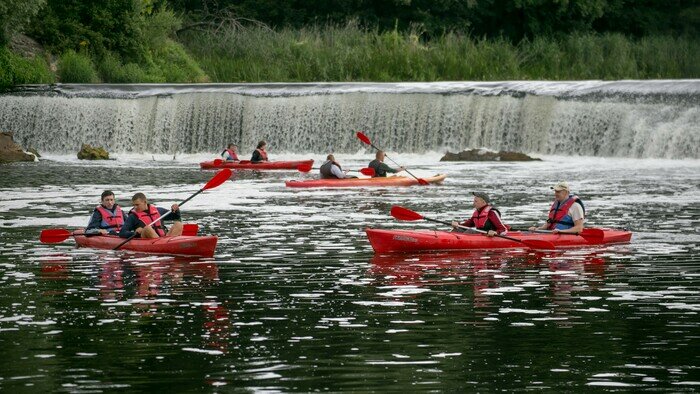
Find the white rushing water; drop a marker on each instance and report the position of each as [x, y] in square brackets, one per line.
[642, 119]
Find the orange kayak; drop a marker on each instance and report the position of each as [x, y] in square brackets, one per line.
[363, 182]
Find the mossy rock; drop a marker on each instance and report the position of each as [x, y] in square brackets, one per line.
[486, 155]
[11, 152]
[88, 152]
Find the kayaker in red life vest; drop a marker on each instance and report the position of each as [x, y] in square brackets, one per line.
[144, 213]
[259, 154]
[567, 213]
[332, 170]
[485, 217]
[108, 217]
[381, 169]
[230, 153]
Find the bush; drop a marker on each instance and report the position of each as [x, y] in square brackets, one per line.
[16, 70]
[76, 68]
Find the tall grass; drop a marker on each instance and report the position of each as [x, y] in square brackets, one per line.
[15, 70]
[76, 67]
[350, 53]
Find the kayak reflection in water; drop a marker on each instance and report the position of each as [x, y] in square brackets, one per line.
[331, 169]
[381, 169]
[566, 214]
[260, 154]
[108, 217]
[485, 217]
[144, 213]
[230, 153]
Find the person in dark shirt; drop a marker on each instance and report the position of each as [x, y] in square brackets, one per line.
[144, 213]
[259, 154]
[108, 217]
[381, 169]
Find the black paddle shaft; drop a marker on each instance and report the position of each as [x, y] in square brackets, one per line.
[159, 219]
[475, 229]
[395, 163]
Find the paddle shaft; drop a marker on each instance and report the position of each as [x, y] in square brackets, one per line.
[159, 219]
[395, 163]
[476, 230]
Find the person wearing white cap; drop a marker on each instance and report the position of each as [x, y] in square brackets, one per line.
[485, 217]
[567, 212]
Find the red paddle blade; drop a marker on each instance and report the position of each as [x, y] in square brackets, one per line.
[402, 213]
[190, 229]
[54, 235]
[363, 138]
[538, 244]
[306, 167]
[217, 162]
[220, 177]
[422, 181]
[368, 171]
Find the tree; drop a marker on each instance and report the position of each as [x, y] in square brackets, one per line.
[15, 15]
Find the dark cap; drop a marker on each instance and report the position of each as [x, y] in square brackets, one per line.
[483, 196]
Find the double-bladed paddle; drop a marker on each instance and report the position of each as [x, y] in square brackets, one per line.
[220, 177]
[57, 235]
[367, 141]
[306, 167]
[402, 213]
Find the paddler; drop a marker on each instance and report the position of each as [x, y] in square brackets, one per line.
[144, 213]
[259, 154]
[485, 217]
[332, 170]
[381, 169]
[108, 217]
[567, 213]
[230, 153]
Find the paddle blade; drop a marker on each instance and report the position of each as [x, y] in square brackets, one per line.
[217, 162]
[54, 235]
[190, 229]
[363, 138]
[538, 244]
[306, 167]
[368, 171]
[402, 213]
[220, 177]
[593, 234]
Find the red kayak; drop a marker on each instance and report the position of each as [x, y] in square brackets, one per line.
[363, 182]
[249, 165]
[202, 246]
[397, 241]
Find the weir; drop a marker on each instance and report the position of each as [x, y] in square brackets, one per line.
[639, 119]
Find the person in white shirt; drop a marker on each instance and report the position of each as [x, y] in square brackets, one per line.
[331, 169]
[567, 212]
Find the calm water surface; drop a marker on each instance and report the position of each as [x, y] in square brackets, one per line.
[295, 299]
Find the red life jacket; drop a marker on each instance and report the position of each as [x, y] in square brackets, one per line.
[231, 153]
[147, 217]
[111, 220]
[559, 211]
[263, 154]
[481, 217]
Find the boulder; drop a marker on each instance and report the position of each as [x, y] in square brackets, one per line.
[486, 155]
[88, 152]
[10, 151]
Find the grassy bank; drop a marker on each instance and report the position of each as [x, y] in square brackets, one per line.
[16, 70]
[353, 54]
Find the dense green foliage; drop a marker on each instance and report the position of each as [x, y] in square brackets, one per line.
[15, 15]
[127, 41]
[353, 54]
[16, 70]
[513, 19]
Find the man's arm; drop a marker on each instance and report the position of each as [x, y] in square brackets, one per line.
[335, 170]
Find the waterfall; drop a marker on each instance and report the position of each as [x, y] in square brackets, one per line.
[592, 118]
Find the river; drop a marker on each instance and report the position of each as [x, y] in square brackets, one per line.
[296, 300]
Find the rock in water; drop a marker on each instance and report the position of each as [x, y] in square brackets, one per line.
[88, 152]
[10, 151]
[486, 155]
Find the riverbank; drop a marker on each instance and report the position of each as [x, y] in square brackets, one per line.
[350, 53]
